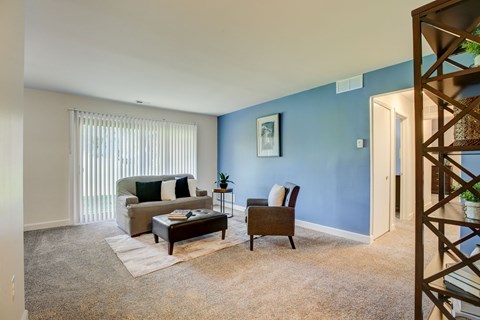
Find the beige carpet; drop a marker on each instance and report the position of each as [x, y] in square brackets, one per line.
[72, 273]
[141, 255]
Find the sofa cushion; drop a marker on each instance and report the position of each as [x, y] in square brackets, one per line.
[181, 188]
[192, 187]
[148, 191]
[168, 190]
[276, 196]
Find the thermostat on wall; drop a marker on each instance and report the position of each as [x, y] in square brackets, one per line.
[360, 143]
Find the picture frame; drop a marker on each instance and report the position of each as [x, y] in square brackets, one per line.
[268, 136]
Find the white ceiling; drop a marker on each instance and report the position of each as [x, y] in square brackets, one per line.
[209, 56]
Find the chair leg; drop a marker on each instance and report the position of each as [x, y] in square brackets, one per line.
[251, 242]
[291, 242]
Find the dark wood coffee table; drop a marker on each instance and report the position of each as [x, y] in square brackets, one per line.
[203, 221]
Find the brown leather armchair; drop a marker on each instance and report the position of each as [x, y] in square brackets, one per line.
[279, 221]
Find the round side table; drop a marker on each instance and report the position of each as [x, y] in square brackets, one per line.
[222, 193]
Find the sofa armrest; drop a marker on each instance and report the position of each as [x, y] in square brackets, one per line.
[201, 193]
[257, 202]
[127, 200]
[270, 220]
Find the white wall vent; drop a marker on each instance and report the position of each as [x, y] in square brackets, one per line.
[350, 84]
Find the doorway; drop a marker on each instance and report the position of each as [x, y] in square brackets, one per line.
[392, 164]
[381, 161]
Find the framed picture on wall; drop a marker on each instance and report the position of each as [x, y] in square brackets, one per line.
[268, 136]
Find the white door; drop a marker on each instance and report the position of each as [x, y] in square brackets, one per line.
[382, 131]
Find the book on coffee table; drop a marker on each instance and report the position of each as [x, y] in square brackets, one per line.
[180, 215]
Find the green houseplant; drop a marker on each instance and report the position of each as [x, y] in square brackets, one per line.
[473, 47]
[472, 202]
[223, 180]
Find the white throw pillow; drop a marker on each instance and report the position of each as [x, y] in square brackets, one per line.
[276, 196]
[167, 190]
[192, 187]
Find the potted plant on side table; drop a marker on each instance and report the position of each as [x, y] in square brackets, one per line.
[223, 180]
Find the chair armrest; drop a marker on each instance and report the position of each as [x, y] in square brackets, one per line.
[127, 200]
[257, 202]
[270, 220]
[201, 193]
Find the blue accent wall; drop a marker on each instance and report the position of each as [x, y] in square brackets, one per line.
[319, 130]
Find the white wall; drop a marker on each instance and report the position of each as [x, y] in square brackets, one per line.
[46, 149]
[11, 208]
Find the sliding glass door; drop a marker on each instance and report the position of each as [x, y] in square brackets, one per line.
[105, 148]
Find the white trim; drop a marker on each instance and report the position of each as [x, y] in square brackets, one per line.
[46, 225]
[238, 207]
[329, 230]
[25, 315]
[410, 215]
[404, 122]
[335, 232]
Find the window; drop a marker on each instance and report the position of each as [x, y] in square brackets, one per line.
[105, 148]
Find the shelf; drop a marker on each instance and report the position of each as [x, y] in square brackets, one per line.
[442, 23]
[452, 214]
[436, 265]
[449, 149]
[457, 85]
[459, 15]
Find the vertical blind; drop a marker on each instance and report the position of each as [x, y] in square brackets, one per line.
[105, 148]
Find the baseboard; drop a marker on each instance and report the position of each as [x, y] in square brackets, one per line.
[25, 315]
[46, 225]
[239, 208]
[335, 232]
[410, 215]
[228, 207]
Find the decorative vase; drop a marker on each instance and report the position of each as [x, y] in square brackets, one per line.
[472, 210]
[476, 61]
[467, 130]
[223, 185]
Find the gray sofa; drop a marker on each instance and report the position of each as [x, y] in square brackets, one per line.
[135, 218]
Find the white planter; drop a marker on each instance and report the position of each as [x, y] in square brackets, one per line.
[476, 61]
[472, 210]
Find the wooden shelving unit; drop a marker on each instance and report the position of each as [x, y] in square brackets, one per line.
[444, 24]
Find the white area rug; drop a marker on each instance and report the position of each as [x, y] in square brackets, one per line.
[141, 255]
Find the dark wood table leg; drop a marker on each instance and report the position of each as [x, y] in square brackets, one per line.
[223, 234]
[251, 242]
[155, 237]
[291, 242]
[170, 248]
